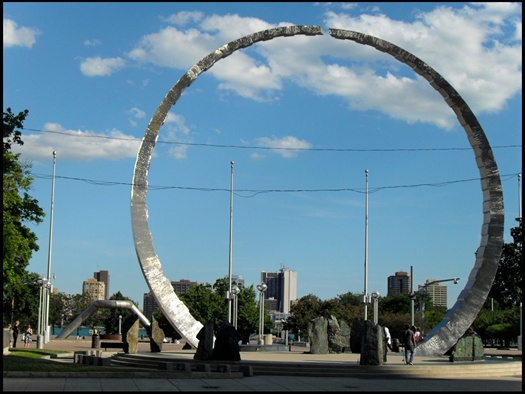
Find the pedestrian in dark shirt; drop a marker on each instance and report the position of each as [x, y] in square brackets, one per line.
[409, 341]
[16, 330]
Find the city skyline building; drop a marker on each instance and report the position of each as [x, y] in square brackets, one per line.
[94, 289]
[437, 293]
[399, 283]
[103, 276]
[281, 291]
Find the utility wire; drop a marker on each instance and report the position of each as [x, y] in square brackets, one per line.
[254, 192]
[268, 147]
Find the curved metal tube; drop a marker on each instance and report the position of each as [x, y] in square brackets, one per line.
[113, 304]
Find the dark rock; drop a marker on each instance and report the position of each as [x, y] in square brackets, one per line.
[227, 343]
[338, 336]
[318, 334]
[156, 337]
[372, 344]
[468, 348]
[205, 346]
[355, 336]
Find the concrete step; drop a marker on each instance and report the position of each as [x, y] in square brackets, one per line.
[489, 367]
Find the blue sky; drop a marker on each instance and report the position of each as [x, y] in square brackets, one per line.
[301, 117]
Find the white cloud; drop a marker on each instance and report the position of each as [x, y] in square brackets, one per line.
[469, 54]
[86, 146]
[184, 17]
[18, 36]
[283, 145]
[99, 67]
[135, 113]
[177, 130]
[92, 43]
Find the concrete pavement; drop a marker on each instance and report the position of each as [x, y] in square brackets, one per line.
[86, 381]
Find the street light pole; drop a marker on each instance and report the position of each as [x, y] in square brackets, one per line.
[42, 282]
[262, 288]
[422, 292]
[235, 295]
[119, 324]
[48, 290]
[365, 295]
[229, 295]
[411, 296]
[375, 299]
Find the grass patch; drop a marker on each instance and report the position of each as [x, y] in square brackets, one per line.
[31, 360]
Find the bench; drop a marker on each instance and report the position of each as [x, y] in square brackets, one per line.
[117, 345]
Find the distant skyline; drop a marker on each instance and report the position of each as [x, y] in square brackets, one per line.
[301, 117]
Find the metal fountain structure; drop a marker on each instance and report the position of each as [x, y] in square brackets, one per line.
[458, 318]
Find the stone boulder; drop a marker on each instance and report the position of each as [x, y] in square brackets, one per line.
[338, 336]
[318, 334]
[227, 343]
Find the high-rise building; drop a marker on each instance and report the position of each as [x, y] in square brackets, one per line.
[150, 305]
[398, 283]
[103, 276]
[281, 291]
[94, 289]
[436, 292]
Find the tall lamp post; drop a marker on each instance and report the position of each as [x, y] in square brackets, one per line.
[262, 288]
[43, 284]
[47, 293]
[366, 299]
[229, 295]
[235, 295]
[375, 300]
[422, 292]
[119, 324]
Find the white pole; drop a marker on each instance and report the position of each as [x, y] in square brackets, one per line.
[366, 249]
[519, 198]
[48, 291]
[230, 254]
[411, 295]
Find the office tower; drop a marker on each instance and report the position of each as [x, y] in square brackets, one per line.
[94, 289]
[398, 283]
[281, 291]
[437, 293]
[150, 305]
[103, 276]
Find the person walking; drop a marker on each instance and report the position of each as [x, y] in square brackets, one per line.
[10, 328]
[409, 341]
[388, 338]
[27, 338]
[16, 330]
[417, 334]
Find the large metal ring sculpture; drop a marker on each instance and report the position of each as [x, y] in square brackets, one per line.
[470, 301]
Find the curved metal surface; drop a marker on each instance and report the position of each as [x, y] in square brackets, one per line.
[113, 304]
[171, 306]
[459, 318]
[470, 301]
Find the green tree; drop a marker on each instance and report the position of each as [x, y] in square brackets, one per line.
[110, 317]
[507, 286]
[205, 304]
[20, 210]
[304, 310]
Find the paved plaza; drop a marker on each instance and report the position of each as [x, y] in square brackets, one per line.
[450, 381]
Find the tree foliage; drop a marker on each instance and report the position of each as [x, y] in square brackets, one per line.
[19, 210]
[507, 287]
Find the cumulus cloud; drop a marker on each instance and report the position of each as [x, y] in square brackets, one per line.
[470, 41]
[287, 147]
[100, 67]
[135, 113]
[18, 36]
[86, 146]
